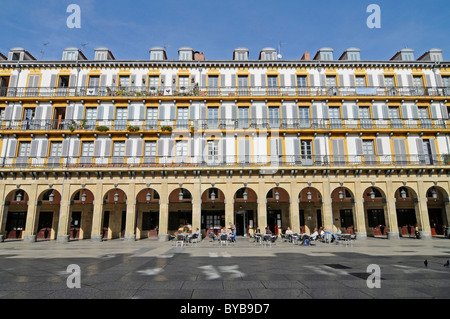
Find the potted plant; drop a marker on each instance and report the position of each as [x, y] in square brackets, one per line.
[102, 128]
[133, 128]
[166, 128]
[446, 159]
[72, 128]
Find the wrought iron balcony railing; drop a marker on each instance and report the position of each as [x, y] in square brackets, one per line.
[254, 91]
[263, 161]
[223, 124]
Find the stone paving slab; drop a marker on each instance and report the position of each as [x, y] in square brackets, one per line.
[149, 269]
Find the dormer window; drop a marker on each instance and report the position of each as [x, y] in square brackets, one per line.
[240, 54]
[156, 55]
[186, 54]
[268, 54]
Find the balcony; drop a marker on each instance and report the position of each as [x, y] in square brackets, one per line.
[260, 162]
[254, 91]
[192, 126]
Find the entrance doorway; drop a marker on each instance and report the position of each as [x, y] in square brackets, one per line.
[75, 225]
[15, 224]
[45, 225]
[105, 224]
[274, 221]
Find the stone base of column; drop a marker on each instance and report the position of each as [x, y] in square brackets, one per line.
[163, 237]
[62, 239]
[393, 235]
[130, 238]
[425, 235]
[97, 238]
[29, 238]
[361, 235]
[2, 238]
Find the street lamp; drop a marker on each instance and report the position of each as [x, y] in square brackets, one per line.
[213, 196]
[83, 197]
[277, 196]
[434, 193]
[309, 195]
[341, 195]
[245, 195]
[18, 196]
[116, 197]
[403, 193]
[372, 194]
[180, 195]
[51, 197]
[148, 196]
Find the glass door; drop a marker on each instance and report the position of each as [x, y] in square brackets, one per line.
[364, 115]
[213, 153]
[305, 121]
[182, 118]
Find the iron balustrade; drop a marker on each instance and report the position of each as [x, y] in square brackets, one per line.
[170, 125]
[259, 161]
[253, 91]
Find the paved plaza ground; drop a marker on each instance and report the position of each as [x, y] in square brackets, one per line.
[148, 269]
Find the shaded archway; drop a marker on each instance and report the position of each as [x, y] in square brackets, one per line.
[246, 211]
[147, 216]
[48, 208]
[344, 211]
[180, 210]
[15, 214]
[407, 211]
[114, 214]
[213, 210]
[310, 207]
[81, 214]
[438, 205]
[375, 212]
[278, 210]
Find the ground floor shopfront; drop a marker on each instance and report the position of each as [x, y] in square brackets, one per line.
[105, 206]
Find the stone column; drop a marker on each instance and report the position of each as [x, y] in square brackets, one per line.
[29, 235]
[294, 209]
[64, 215]
[3, 213]
[197, 205]
[97, 220]
[360, 221]
[163, 227]
[130, 223]
[391, 212]
[326, 206]
[424, 223]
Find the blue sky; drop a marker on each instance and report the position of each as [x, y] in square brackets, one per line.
[130, 28]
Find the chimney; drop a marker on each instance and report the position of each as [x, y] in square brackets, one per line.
[199, 56]
[306, 57]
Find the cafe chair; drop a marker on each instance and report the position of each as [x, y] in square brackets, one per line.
[180, 240]
[223, 240]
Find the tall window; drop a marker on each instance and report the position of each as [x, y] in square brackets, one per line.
[243, 117]
[24, 149]
[56, 149]
[306, 151]
[183, 82]
[87, 149]
[274, 117]
[119, 149]
[360, 81]
[153, 83]
[272, 83]
[213, 117]
[302, 81]
[213, 85]
[304, 117]
[121, 118]
[150, 152]
[213, 152]
[181, 151]
[243, 85]
[182, 117]
[124, 81]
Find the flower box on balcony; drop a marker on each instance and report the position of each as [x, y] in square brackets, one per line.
[102, 128]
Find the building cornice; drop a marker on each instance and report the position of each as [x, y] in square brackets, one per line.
[222, 64]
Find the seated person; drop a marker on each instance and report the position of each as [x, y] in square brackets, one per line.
[289, 234]
[268, 231]
[315, 234]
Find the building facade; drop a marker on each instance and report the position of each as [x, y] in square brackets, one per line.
[105, 148]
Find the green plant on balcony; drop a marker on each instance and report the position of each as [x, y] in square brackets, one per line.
[446, 159]
[133, 128]
[102, 128]
[71, 128]
[166, 128]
